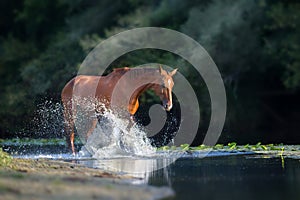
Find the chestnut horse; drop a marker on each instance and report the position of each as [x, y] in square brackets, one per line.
[101, 89]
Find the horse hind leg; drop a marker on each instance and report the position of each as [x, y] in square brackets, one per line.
[69, 126]
[70, 137]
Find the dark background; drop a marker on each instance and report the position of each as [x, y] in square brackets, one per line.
[255, 44]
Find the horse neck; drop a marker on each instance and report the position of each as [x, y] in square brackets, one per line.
[152, 75]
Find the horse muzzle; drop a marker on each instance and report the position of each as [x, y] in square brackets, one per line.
[167, 106]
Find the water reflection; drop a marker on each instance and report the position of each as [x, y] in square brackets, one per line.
[233, 177]
[140, 168]
[216, 177]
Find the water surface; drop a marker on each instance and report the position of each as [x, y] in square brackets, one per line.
[231, 177]
[216, 175]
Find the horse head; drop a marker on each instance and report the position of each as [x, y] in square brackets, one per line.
[164, 90]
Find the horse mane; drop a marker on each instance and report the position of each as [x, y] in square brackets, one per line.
[142, 69]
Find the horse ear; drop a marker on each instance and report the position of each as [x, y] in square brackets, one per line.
[173, 72]
[161, 70]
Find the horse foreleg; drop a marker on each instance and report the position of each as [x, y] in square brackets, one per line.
[131, 122]
[93, 126]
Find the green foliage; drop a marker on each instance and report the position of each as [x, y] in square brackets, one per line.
[41, 51]
[37, 21]
[284, 41]
[255, 45]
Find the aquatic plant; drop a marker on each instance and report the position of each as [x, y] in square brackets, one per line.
[233, 146]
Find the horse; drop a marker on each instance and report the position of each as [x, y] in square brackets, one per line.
[114, 86]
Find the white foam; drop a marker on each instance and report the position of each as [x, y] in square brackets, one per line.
[113, 138]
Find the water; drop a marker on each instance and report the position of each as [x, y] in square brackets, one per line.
[116, 138]
[218, 175]
[231, 177]
[192, 175]
[222, 176]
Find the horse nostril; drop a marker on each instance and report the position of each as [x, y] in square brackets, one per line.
[169, 107]
[165, 106]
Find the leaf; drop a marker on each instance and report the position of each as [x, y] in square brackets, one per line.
[164, 148]
[264, 147]
[232, 145]
[183, 146]
[218, 146]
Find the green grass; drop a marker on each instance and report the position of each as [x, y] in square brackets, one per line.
[5, 159]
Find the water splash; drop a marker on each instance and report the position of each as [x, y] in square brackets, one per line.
[113, 137]
[48, 120]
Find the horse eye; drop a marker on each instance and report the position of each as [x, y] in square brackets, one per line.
[163, 88]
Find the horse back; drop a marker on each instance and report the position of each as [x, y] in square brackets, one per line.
[91, 86]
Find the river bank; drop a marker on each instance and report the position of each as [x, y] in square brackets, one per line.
[51, 179]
